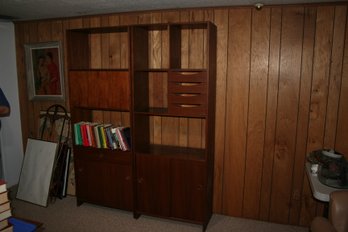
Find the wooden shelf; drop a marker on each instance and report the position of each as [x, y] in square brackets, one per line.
[99, 70]
[163, 87]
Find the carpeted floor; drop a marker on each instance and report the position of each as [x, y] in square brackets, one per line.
[65, 216]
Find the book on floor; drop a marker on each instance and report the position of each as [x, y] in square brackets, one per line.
[3, 187]
[5, 214]
[5, 206]
[3, 224]
[3, 197]
[22, 225]
[8, 228]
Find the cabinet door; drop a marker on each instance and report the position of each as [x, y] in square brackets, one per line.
[153, 185]
[189, 195]
[103, 183]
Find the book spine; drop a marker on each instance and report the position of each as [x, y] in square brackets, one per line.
[109, 137]
[103, 136]
[122, 139]
[97, 136]
[76, 128]
[115, 141]
[84, 134]
[78, 133]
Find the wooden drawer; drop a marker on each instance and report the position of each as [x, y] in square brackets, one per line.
[187, 93]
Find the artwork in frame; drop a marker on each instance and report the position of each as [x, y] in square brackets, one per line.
[45, 71]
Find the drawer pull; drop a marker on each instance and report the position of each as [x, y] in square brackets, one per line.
[187, 94]
[188, 83]
[188, 73]
[188, 105]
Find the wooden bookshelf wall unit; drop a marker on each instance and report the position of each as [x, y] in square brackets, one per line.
[168, 89]
[103, 176]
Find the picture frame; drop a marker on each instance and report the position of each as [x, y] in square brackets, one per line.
[45, 73]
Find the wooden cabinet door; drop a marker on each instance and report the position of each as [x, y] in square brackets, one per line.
[153, 186]
[188, 190]
[103, 183]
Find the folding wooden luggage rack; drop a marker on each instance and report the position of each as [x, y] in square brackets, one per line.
[53, 114]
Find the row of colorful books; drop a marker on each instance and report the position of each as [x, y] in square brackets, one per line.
[5, 208]
[101, 135]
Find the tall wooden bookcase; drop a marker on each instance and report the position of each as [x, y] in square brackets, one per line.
[166, 94]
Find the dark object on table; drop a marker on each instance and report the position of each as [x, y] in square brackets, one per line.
[333, 169]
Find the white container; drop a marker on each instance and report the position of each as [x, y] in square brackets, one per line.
[314, 169]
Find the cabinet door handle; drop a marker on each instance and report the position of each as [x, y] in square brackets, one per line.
[200, 187]
[140, 180]
[128, 177]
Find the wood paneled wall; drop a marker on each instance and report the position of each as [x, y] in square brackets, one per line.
[282, 91]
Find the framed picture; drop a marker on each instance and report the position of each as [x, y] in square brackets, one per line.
[45, 71]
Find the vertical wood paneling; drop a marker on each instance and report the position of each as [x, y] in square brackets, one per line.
[58, 34]
[95, 43]
[115, 46]
[105, 44]
[221, 22]
[289, 79]
[302, 124]
[170, 131]
[195, 133]
[75, 23]
[196, 42]
[335, 76]
[342, 124]
[271, 112]
[33, 109]
[128, 19]
[124, 51]
[257, 111]
[44, 31]
[321, 71]
[185, 38]
[282, 84]
[236, 109]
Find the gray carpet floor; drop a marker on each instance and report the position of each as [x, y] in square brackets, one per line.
[65, 216]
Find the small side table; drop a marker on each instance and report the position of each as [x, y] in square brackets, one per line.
[320, 191]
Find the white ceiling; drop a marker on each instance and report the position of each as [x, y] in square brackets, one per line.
[43, 9]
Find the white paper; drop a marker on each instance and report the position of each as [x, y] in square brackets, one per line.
[37, 169]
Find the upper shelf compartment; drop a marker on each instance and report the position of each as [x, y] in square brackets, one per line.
[100, 89]
[98, 48]
[150, 45]
[189, 45]
[173, 68]
[172, 46]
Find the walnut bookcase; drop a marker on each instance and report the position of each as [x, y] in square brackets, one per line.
[166, 93]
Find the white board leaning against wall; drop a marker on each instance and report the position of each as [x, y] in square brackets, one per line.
[37, 169]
